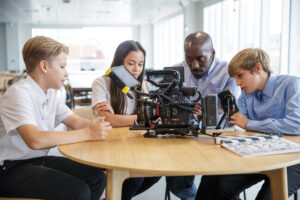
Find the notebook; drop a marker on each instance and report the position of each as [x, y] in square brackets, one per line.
[257, 144]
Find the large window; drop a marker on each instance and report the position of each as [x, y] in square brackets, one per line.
[249, 15]
[230, 28]
[295, 39]
[91, 48]
[238, 24]
[168, 42]
[272, 32]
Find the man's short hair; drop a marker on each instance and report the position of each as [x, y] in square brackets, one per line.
[199, 38]
[41, 48]
[247, 59]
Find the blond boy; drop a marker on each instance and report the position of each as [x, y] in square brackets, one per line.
[269, 103]
[29, 112]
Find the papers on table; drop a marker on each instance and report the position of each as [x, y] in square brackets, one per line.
[257, 144]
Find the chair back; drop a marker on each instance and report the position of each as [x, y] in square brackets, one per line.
[86, 112]
[70, 96]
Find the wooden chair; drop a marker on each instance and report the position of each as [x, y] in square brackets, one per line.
[7, 80]
[82, 98]
[86, 112]
[70, 96]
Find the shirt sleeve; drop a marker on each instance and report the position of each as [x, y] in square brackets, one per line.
[62, 112]
[16, 109]
[242, 105]
[290, 123]
[99, 91]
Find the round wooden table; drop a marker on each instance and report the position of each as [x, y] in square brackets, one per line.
[128, 154]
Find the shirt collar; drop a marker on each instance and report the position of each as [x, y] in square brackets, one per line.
[37, 90]
[213, 65]
[269, 87]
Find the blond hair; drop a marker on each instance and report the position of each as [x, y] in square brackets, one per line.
[41, 48]
[247, 59]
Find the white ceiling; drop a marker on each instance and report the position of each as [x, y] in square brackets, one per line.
[87, 12]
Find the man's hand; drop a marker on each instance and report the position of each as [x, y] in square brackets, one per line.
[239, 119]
[198, 108]
[104, 106]
[98, 127]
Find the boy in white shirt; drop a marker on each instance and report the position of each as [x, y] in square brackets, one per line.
[29, 112]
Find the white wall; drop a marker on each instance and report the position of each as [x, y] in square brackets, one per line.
[24, 34]
[193, 18]
[12, 48]
[146, 39]
[3, 56]
[16, 36]
[136, 33]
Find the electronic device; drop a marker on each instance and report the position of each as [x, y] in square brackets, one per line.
[211, 102]
[168, 109]
[123, 78]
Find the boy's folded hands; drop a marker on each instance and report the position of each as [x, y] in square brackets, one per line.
[98, 128]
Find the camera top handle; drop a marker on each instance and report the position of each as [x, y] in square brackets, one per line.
[175, 78]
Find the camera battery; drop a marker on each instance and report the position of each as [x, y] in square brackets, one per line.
[211, 102]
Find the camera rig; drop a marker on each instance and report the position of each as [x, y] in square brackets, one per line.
[168, 108]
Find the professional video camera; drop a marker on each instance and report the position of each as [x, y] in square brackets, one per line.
[168, 109]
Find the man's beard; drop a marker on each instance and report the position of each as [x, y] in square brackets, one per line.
[199, 73]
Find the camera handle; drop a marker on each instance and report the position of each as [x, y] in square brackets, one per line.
[203, 125]
[224, 116]
[138, 92]
[221, 121]
[129, 95]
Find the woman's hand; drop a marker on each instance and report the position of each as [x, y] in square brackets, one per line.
[104, 106]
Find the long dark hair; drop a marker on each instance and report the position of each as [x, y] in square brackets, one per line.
[118, 98]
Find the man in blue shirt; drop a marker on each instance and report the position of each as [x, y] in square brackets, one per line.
[203, 70]
[269, 104]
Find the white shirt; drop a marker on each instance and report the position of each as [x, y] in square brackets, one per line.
[101, 92]
[26, 103]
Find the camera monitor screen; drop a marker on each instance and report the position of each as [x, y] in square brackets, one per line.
[125, 76]
[180, 69]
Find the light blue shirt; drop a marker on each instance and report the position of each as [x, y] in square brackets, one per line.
[215, 81]
[276, 109]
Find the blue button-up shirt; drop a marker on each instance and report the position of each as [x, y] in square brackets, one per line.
[276, 109]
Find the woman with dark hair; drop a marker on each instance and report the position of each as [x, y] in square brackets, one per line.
[118, 108]
[108, 98]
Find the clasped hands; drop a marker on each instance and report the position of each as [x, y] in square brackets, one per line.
[104, 106]
[98, 128]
